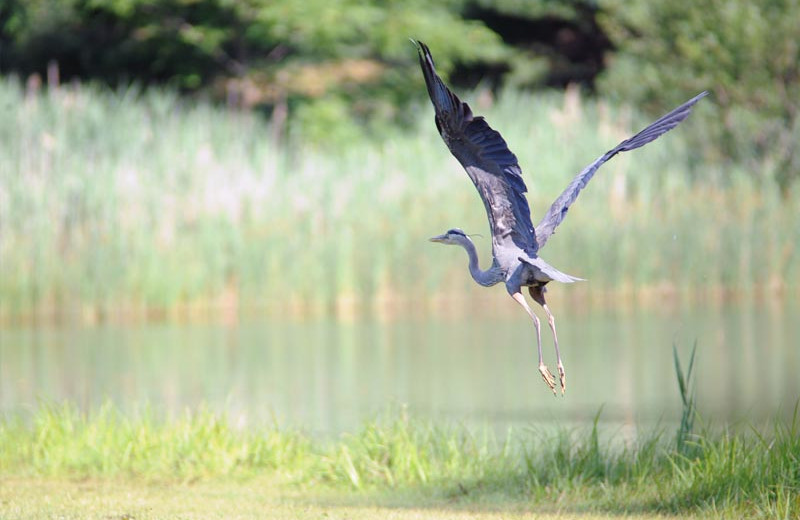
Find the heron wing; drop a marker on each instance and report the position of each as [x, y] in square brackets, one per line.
[485, 156]
[558, 210]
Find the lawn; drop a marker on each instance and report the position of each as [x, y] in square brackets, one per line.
[121, 499]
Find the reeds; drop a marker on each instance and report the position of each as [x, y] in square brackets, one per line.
[139, 201]
[687, 388]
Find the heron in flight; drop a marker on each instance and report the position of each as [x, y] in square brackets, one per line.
[494, 170]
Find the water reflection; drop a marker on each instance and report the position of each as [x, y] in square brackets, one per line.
[327, 376]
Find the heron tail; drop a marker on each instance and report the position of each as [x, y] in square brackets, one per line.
[547, 273]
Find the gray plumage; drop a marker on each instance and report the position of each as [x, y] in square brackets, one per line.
[495, 172]
[558, 210]
[485, 156]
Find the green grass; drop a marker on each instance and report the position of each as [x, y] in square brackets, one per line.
[399, 460]
[134, 201]
[250, 499]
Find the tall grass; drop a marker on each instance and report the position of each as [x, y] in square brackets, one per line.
[60, 440]
[687, 389]
[734, 474]
[140, 200]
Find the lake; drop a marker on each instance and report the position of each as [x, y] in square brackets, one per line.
[327, 376]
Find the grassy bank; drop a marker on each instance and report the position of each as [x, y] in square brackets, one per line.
[751, 473]
[256, 499]
[140, 200]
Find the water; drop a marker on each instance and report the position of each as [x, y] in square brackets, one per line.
[326, 377]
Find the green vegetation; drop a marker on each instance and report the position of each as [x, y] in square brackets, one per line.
[316, 190]
[752, 474]
[746, 53]
[61, 461]
[347, 63]
[320, 62]
[133, 201]
[688, 401]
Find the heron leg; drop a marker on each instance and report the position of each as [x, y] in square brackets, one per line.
[548, 377]
[537, 293]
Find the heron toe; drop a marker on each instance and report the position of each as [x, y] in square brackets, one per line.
[562, 378]
[548, 377]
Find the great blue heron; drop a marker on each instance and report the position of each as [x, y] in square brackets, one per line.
[496, 174]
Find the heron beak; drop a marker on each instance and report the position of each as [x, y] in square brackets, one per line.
[438, 238]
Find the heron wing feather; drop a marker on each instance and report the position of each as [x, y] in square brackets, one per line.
[484, 154]
[558, 210]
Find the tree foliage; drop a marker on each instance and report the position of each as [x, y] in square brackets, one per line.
[314, 57]
[335, 69]
[324, 62]
[746, 53]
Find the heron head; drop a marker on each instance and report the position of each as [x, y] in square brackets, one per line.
[452, 236]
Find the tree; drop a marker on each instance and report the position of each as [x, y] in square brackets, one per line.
[746, 53]
[320, 59]
[330, 64]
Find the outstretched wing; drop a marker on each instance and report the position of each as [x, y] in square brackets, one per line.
[558, 210]
[485, 156]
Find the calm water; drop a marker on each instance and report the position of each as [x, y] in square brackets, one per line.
[328, 376]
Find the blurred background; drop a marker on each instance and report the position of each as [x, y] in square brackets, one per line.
[227, 203]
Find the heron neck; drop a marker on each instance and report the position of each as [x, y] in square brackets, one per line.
[486, 278]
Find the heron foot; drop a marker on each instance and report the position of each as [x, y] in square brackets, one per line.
[562, 378]
[548, 377]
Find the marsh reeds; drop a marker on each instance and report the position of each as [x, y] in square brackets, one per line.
[687, 389]
[139, 201]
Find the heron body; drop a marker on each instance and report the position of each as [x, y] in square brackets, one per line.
[497, 176]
